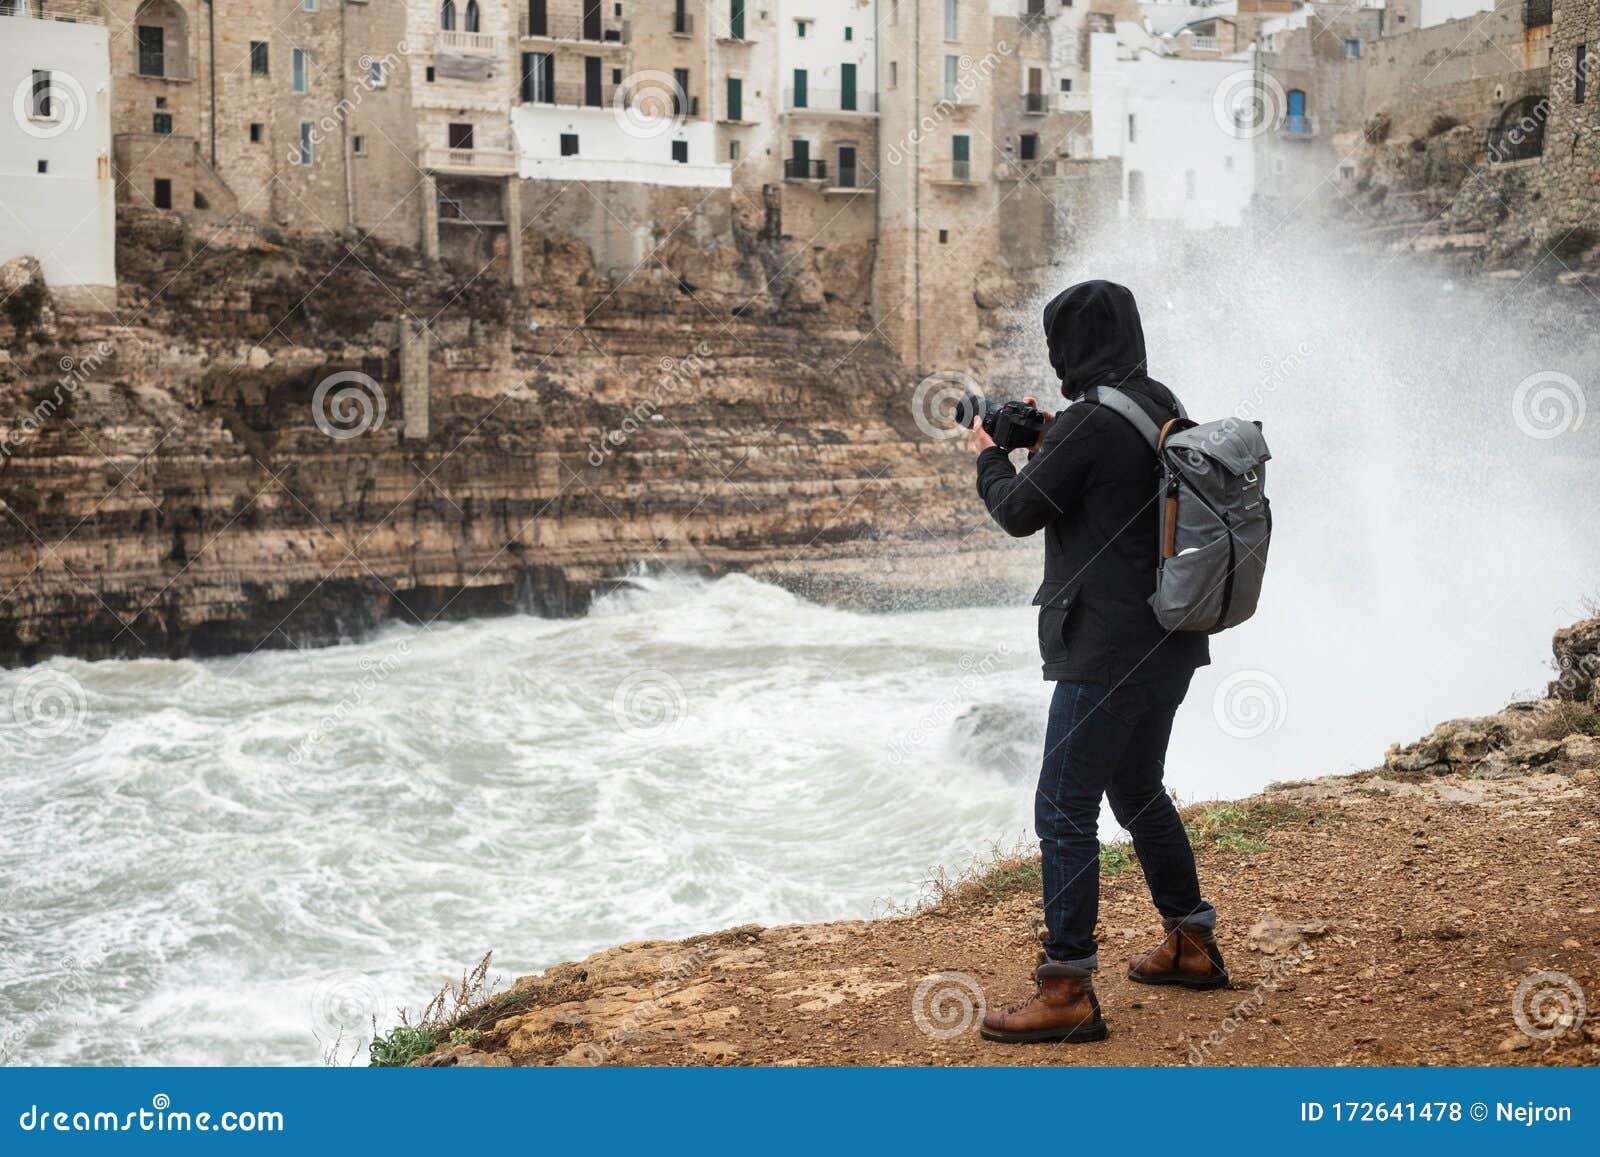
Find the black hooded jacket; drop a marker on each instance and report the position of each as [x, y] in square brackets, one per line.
[1092, 488]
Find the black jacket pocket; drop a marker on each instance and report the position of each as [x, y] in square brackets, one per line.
[1055, 601]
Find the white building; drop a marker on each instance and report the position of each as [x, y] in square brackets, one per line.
[621, 144]
[57, 197]
[1186, 154]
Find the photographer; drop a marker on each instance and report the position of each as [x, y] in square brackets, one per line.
[1090, 484]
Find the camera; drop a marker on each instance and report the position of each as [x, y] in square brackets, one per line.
[1012, 425]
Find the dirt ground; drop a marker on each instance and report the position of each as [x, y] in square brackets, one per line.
[1365, 920]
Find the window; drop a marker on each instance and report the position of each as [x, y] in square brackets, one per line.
[569, 144]
[428, 75]
[539, 77]
[733, 150]
[162, 193]
[680, 152]
[1352, 48]
[447, 16]
[152, 50]
[952, 20]
[849, 33]
[43, 167]
[944, 237]
[735, 19]
[473, 20]
[847, 87]
[1029, 150]
[1133, 129]
[1347, 172]
[961, 157]
[39, 106]
[375, 76]
[301, 61]
[802, 28]
[952, 77]
[593, 81]
[1066, 84]
[256, 129]
[1580, 73]
[161, 123]
[616, 76]
[358, 145]
[307, 142]
[459, 135]
[680, 92]
[735, 99]
[258, 58]
[846, 178]
[894, 74]
[308, 5]
[799, 92]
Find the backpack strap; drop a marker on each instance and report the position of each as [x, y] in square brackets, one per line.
[1115, 400]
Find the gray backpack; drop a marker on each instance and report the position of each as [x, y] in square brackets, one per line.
[1216, 522]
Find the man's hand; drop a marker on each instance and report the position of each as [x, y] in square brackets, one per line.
[1049, 419]
[980, 438]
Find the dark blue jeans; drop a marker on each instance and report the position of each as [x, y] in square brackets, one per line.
[1110, 741]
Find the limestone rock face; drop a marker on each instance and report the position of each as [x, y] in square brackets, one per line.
[227, 470]
[1578, 658]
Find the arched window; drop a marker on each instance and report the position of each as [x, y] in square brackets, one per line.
[1519, 133]
[447, 15]
[161, 39]
[472, 16]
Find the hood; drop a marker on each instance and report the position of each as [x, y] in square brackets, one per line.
[1094, 335]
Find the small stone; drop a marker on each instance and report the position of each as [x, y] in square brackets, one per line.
[1514, 1043]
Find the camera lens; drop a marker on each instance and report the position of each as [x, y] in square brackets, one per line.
[969, 408]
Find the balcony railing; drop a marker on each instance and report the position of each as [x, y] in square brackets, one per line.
[683, 24]
[574, 30]
[475, 160]
[795, 169]
[820, 100]
[1033, 102]
[961, 170]
[65, 11]
[453, 41]
[1298, 125]
[167, 69]
[1205, 44]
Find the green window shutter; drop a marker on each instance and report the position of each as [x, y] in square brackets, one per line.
[736, 20]
[799, 88]
[735, 99]
[847, 87]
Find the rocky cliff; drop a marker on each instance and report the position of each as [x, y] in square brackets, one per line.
[239, 456]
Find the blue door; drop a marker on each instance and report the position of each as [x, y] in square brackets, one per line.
[1296, 121]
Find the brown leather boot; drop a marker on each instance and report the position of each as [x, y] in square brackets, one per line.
[1062, 1008]
[1188, 957]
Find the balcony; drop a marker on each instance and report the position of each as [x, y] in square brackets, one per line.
[1033, 103]
[471, 162]
[575, 32]
[65, 11]
[1206, 44]
[682, 24]
[1298, 127]
[828, 102]
[796, 169]
[447, 40]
